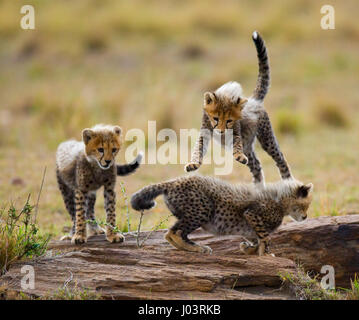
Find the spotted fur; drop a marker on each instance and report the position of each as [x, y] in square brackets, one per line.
[247, 118]
[81, 169]
[224, 209]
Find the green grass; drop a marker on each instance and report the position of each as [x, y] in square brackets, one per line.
[19, 236]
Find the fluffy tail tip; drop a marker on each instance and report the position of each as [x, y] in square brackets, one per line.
[138, 158]
[255, 35]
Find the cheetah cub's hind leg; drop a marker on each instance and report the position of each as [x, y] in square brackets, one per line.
[181, 242]
[69, 199]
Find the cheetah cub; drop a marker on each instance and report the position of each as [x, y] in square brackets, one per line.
[227, 108]
[224, 209]
[81, 169]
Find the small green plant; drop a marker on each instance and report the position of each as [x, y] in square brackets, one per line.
[19, 236]
[103, 223]
[353, 292]
[139, 243]
[123, 189]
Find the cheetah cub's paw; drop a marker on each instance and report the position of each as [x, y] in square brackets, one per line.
[65, 237]
[115, 238]
[240, 157]
[247, 248]
[78, 239]
[205, 249]
[191, 166]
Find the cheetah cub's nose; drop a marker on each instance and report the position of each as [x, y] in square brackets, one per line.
[108, 162]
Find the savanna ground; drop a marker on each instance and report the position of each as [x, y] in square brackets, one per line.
[127, 62]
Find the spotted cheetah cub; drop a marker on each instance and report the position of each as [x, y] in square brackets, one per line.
[227, 108]
[81, 169]
[224, 209]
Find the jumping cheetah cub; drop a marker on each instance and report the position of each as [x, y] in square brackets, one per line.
[81, 169]
[227, 108]
[224, 209]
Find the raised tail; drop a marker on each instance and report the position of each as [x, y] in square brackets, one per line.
[125, 169]
[144, 198]
[263, 81]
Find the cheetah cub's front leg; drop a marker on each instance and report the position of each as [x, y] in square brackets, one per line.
[110, 201]
[240, 157]
[259, 247]
[238, 150]
[80, 230]
[261, 244]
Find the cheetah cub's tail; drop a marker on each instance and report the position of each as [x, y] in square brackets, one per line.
[144, 198]
[263, 81]
[125, 169]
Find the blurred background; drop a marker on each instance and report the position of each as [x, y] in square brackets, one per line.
[127, 62]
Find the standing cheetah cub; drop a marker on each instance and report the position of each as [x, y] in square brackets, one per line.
[224, 209]
[81, 169]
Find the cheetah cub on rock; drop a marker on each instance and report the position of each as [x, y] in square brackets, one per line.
[224, 209]
[81, 169]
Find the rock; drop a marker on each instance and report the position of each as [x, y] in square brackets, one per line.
[158, 271]
[323, 241]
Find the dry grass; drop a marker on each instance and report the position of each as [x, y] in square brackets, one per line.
[306, 287]
[129, 62]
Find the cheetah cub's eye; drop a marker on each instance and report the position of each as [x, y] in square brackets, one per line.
[114, 150]
[215, 119]
[229, 121]
[100, 150]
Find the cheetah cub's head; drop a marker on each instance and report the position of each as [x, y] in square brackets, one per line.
[102, 144]
[300, 202]
[224, 106]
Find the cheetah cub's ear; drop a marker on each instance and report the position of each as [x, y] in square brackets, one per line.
[241, 102]
[237, 110]
[209, 101]
[304, 190]
[87, 135]
[117, 130]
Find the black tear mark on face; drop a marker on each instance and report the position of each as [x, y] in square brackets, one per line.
[228, 122]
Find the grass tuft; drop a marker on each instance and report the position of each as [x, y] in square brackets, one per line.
[307, 288]
[74, 293]
[19, 236]
[332, 115]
